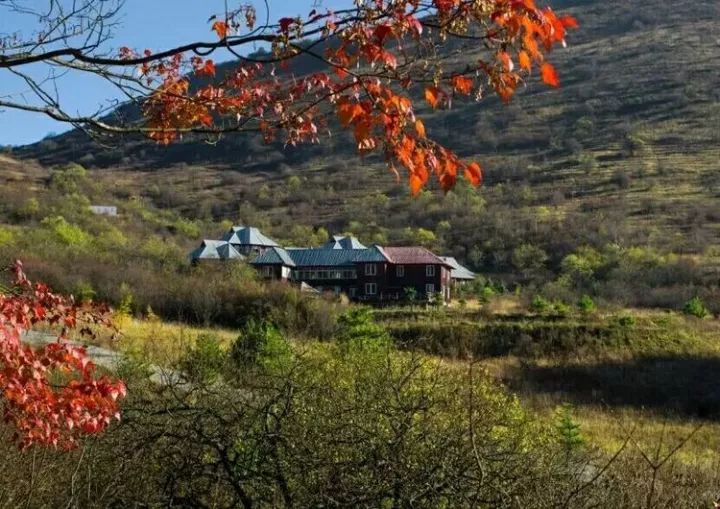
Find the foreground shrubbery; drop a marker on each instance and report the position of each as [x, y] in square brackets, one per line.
[352, 423]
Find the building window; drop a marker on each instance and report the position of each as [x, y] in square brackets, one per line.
[370, 269]
[429, 270]
[267, 271]
[370, 288]
[400, 271]
[430, 288]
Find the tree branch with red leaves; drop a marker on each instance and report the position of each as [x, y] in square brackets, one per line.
[51, 395]
[375, 58]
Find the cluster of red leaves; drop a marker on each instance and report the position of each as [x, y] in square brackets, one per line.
[372, 72]
[51, 395]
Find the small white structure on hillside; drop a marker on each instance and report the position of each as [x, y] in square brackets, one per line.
[104, 210]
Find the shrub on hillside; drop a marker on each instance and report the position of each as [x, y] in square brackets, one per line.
[696, 307]
[586, 304]
[204, 362]
[540, 304]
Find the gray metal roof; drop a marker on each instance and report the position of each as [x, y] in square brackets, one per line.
[248, 235]
[215, 250]
[274, 256]
[322, 257]
[343, 242]
[458, 271]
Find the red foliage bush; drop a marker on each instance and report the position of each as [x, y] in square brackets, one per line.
[51, 394]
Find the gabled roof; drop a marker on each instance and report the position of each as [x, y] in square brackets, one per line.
[274, 256]
[248, 236]
[412, 256]
[335, 257]
[458, 271]
[322, 257]
[215, 250]
[343, 242]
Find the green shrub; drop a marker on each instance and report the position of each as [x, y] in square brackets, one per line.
[205, 361]
[67, 180]
[568, 430]
[84, 292]
[29, 209]
[626, 321]
[696, 307]
[358, 324]
[67, 233]
[586, 304]
[560, 308]
[411, 293]
[187, 228]
[540, 304]
[260, 345]
[6, 236]
[487, 293]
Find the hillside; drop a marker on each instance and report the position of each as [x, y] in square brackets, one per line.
[624, 156]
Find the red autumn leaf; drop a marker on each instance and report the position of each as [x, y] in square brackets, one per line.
[432, 96]
[41, 411]
[207, 69]
[549, 75]
[473, 173]
[220, 28]
[416, 184]
[506, 60]
[285, 24]
[569, 22]
[462, 84]
[524, 60]
[420, 128]
[381, 32]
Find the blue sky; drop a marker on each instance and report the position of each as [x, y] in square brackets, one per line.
[154, 24]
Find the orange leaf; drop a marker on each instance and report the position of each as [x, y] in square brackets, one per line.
[549, 75]
[569, 22]
[507, 62]
[348, 112]
[432, 96]
[416, 184]
[462, 84]
[220, 28]
[420, 128]
[524, 60]
[473, 173]
[206, 70]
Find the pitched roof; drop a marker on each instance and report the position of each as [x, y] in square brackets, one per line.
[322, 257]
[412, 256]
[458, 271]
[215, 250]
[343, 242]
[248, 235]
[274, 256]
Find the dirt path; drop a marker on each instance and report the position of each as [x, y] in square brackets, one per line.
[104, 357]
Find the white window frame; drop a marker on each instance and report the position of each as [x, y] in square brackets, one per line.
[268, 271]
[400, 271]
[430, 270]
[430, 288]
[370, 289]
[370, 269]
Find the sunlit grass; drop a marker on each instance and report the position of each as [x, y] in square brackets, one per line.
[163, 343]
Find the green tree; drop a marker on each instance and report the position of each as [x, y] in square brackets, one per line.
[529, 259]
